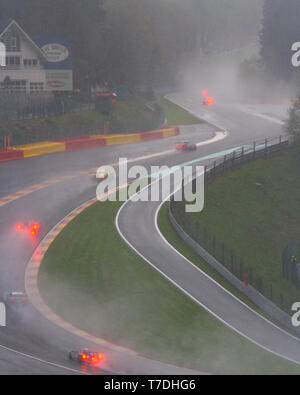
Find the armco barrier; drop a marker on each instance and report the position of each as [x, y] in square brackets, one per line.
[6, 155]
[148, 136]
[171, 132]
[84, 143]
[73, 139]
[43, 148]
[76, 143]
[121, 139]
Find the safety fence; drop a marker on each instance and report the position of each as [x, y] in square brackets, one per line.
[40, 105]
[224, 254]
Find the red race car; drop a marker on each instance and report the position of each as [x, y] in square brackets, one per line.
[186, 146]
[86, 357]
[32, 228]
[208, 101]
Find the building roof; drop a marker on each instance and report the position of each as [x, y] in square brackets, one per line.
[6, 25]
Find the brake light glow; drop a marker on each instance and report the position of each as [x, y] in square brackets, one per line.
[34, 228]
[19, 227]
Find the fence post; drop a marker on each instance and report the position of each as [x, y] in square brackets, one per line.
[250, 275]
[281, 301]
[241, 270]
[204, 236]
[254, 149]
[197, 231]
[213, 242]
[223, 254]
[260, 284]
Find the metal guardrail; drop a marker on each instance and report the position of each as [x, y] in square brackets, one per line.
[223, 254]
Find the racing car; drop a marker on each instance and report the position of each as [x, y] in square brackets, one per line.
[32, 228]
[86, 356]
[98, 176]
[208, 101]
[186, 146]
[15, 298]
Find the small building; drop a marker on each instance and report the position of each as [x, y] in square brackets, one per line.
[23, 71]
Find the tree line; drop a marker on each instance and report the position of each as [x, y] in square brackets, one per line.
[280, 29]
[137, 42]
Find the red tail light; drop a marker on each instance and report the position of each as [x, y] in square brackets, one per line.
[204, 93]
[24, 300]
[19, 227]
[34, 228]
[12, 299]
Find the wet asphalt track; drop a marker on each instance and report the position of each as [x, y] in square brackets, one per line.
[30, 333]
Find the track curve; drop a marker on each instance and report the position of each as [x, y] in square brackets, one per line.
[137, 219]
[30, 343]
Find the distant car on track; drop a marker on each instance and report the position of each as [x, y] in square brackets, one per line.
[208, 101]
[15, 299]
[186, 146]
[98, 176]
[86, 357]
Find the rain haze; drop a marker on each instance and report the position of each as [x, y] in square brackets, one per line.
[142, 289]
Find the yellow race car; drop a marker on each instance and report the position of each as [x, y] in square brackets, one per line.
[95, 175]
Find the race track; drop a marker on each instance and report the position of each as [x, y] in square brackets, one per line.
[30, 344]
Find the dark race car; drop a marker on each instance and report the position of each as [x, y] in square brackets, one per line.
[86, 357]
[15, 299]
[186, 146]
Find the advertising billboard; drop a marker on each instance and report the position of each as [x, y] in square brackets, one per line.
[58, 66]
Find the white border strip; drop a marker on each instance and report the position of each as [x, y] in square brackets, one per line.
[206, 275]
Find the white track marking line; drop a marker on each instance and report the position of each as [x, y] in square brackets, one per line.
[263, 116]
[211, 279]
[217, 137]
[41, 360]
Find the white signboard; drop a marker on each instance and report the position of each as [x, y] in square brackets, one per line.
[55, 53]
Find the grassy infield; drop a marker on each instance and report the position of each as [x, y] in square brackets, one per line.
[112, 293]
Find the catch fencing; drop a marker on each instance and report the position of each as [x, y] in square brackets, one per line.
[217, 248]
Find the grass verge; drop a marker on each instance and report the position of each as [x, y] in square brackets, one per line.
[176, 115]
[128, 117]
[254, 210]
[93, 280]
